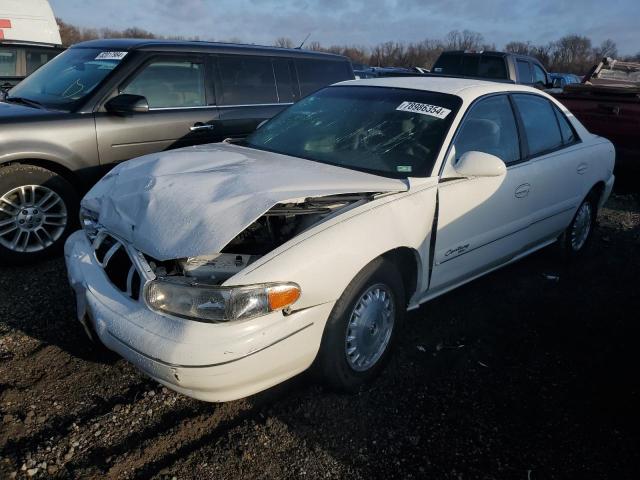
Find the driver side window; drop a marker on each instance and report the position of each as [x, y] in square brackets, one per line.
[490, 127]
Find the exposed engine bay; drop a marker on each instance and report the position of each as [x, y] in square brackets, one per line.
[275, 227]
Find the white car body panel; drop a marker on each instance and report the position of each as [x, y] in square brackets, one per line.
[194, 201]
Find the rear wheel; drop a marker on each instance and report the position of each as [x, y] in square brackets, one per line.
[578, 234]
[38, 209]
[362, 328]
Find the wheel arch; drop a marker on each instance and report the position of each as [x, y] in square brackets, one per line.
[55, 167]
[407, 260]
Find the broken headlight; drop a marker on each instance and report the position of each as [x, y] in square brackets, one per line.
[89, 222]
[184, 298]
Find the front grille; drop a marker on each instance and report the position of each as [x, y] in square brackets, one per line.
[112, 256]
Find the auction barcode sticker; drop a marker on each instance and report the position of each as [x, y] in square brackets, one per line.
[424, 109]
[111, 55]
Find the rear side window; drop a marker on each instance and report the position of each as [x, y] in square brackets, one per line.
[568, 134]
[37, 58]
[8, 62]
[540, 124]
[315, 74]
[524, 71]
[490, 127]
[492, 67]
[447, 64]
[246, 81]
[170, 84]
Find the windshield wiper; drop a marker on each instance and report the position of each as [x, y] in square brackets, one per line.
[25, 101]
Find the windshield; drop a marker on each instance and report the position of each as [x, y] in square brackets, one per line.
[66, 80]
[386, 131]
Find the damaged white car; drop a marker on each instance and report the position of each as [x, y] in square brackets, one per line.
[224, 269]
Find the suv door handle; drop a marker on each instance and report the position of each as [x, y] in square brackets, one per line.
[522, 190]
[583, 167]
[199, 126]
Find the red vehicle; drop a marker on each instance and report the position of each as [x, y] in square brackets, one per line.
[607, 102]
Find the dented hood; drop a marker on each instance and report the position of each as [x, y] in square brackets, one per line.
[193, 201]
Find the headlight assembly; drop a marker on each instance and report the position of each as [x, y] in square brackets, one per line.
[89, 222]
[185, 298]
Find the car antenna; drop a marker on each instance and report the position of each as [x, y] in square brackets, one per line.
[305, 39]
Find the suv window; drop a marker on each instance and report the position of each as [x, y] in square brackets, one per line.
[315, 74]
[284, 81]
[568, 134]
[37, 58]
[490, 127]
[524, 71]
[492, 67]
[8, 62]
[170, 84]
[540, 124]
[246, 80]
[539, 75]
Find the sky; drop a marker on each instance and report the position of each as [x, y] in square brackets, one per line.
[364, 22]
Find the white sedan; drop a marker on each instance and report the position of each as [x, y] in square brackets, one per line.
[224, 269]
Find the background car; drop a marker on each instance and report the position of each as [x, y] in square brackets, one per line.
[561, 80]
[105, 101]
[225, 269]
[497, 66]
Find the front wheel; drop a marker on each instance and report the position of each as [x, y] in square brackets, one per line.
[362, 327]
[38, 209]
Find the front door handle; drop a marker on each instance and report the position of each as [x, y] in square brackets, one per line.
[583, 167]
[199, 126]
[522, 190]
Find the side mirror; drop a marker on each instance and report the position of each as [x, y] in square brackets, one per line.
[126, 104]
[480, 164]
[556, 83]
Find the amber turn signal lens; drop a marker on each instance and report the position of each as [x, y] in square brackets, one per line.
[281, 296]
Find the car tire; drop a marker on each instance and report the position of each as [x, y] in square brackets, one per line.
[38, 210]
[577, 237]
[377, 292]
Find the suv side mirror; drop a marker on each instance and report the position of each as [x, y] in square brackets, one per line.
[480, 164]
[556, 83]
[127, 104]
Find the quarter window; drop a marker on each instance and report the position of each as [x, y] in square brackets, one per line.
[246, 80]
[540, 124]
[170, 84]
[524, 71]
[568, 134]
[490, 127]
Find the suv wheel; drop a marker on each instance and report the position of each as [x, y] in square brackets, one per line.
[362, 327]
[38, 209]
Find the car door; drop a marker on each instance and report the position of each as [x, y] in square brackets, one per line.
[560, 161]
[250, 90]
[181, 112]
[482, 221]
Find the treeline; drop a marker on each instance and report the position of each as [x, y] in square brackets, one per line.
[571, 53]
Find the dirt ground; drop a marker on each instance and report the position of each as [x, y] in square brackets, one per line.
[528, 373]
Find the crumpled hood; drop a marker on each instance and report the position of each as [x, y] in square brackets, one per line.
[193, 201]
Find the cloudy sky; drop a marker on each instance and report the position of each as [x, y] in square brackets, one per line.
[364, 22]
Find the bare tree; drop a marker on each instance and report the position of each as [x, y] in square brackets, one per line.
[607, 48]
[284, 42]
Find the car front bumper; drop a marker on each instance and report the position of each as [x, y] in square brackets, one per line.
[212, 362]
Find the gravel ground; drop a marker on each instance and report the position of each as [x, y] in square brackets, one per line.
[528, 373]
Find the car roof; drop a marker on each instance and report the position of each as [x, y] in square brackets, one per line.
[466, 88]
[130, 44]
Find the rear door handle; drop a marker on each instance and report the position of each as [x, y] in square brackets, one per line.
[522, 190]
[583, 167]
[199, 126]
